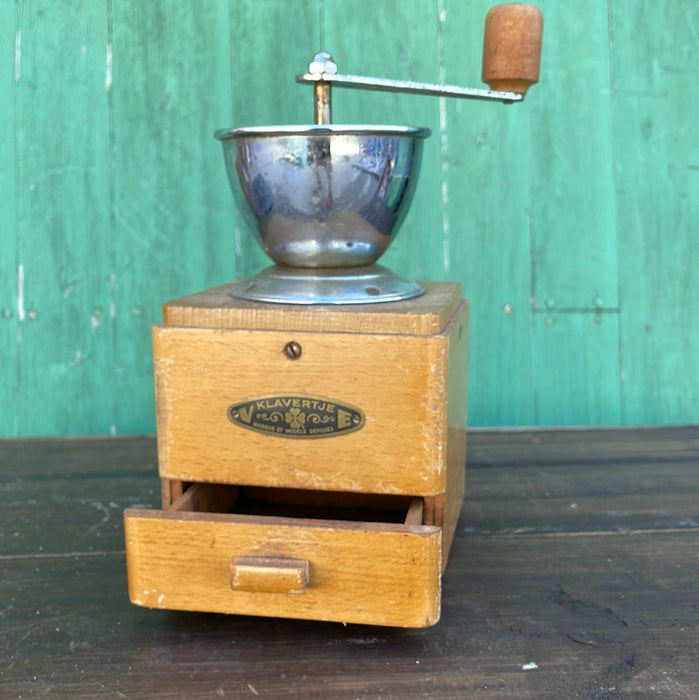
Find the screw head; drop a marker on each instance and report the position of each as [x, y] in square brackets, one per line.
[293, 350]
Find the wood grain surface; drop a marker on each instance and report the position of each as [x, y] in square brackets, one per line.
[416, 436]
[573, 574]
[216, 308]
[376, 573]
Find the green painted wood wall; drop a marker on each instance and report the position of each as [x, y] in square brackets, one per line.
[571, 220]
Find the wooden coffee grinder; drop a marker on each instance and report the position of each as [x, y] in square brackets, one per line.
[312, 419]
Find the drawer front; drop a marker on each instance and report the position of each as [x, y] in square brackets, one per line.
[398, 382]
[369, 573]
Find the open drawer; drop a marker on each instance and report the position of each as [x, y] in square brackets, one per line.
[287, 553]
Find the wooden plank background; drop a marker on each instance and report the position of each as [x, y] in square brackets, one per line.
[570, 219]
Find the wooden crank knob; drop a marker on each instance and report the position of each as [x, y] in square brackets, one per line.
[512, 47]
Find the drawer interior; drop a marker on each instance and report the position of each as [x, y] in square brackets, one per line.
[298, 503]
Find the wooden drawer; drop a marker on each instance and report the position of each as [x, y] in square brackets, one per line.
[197, 555]
[410, 389]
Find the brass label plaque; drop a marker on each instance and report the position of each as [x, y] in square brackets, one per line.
[296, 416]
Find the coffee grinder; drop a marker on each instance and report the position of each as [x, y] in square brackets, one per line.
[311, 419]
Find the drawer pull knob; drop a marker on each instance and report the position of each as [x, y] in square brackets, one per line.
[269, 575]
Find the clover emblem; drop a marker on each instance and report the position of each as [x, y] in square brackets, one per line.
[295, 418]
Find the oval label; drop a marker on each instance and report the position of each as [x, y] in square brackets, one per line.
[296, 416]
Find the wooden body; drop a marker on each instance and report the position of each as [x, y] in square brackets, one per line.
[353, 527]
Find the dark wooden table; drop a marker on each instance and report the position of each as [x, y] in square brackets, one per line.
[575, 574]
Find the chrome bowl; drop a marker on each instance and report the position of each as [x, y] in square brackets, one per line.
[324, 196]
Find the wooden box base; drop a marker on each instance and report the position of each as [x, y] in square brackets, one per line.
[349, 527]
